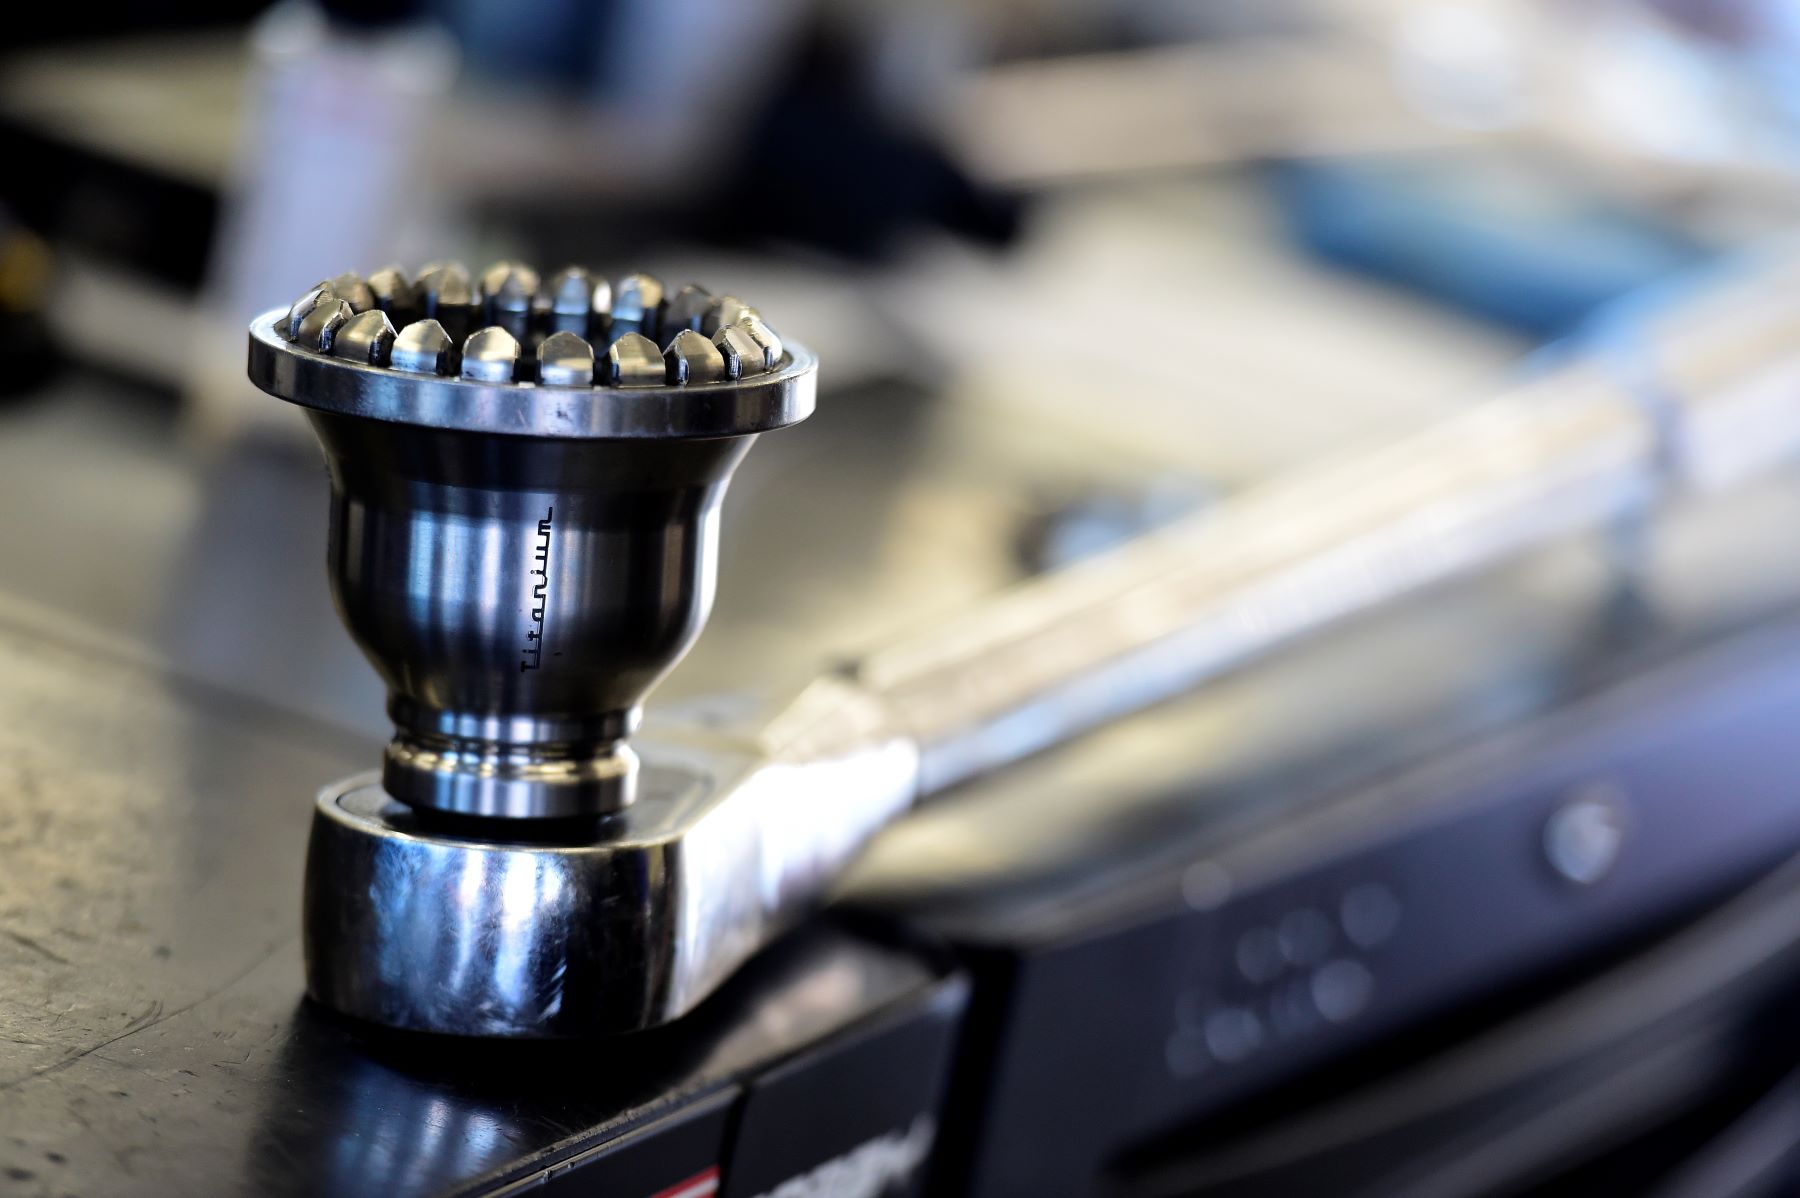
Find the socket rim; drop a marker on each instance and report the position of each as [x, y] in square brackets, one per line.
[312, 379]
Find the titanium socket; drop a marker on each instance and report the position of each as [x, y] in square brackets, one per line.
[522, 545]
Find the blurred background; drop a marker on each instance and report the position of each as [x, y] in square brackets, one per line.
[1219, 238]
[1175, 246]
[1073, 268]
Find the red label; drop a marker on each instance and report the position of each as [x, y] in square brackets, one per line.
[703, 1184]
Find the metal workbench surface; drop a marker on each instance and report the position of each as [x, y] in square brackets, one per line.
[153, 1037]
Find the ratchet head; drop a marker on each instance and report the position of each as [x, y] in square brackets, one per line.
[524, 523]
[535, 930]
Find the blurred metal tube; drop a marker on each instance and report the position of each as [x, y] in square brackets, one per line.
[1717, 396]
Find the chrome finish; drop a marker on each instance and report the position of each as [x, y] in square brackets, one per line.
[600, 309]
[394, 294]
[567, 301]
[1169, 611]
[768, 402]
[490, 356]
[623, 927]
[724, 312]
[350, 288]
[763, 336]
[635, 918]
[637, 306]
[423, 347]
[565, 360]
[506, 296]
[1710, 395]
[743, 357]
[447, 296]
[367, 337]
[686, 309]
[633, 361]
[322, 322]
[521, 561]
[289, 324]
[519, 597]
[691, 358]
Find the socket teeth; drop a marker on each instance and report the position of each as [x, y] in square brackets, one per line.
[567, 301]
[394, 294]
[691, 358]
[319, 327]
[490, 355]
[367, 337]
[685, 310]
[724, 312]
[350, 288]
[423, 347]
[637, 305]
[633, 361]
[743, 356]
[579, 331]
[565, 360]
[447, 296]
[289, 326]
[764, 337]
[499, 274]
[508, 290]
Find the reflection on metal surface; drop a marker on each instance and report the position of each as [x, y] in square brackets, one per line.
[521, 562]
[412, 925]
[1571, 450]
[635, 921]
[1159, 616]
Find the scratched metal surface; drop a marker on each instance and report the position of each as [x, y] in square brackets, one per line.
[152, 1035]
